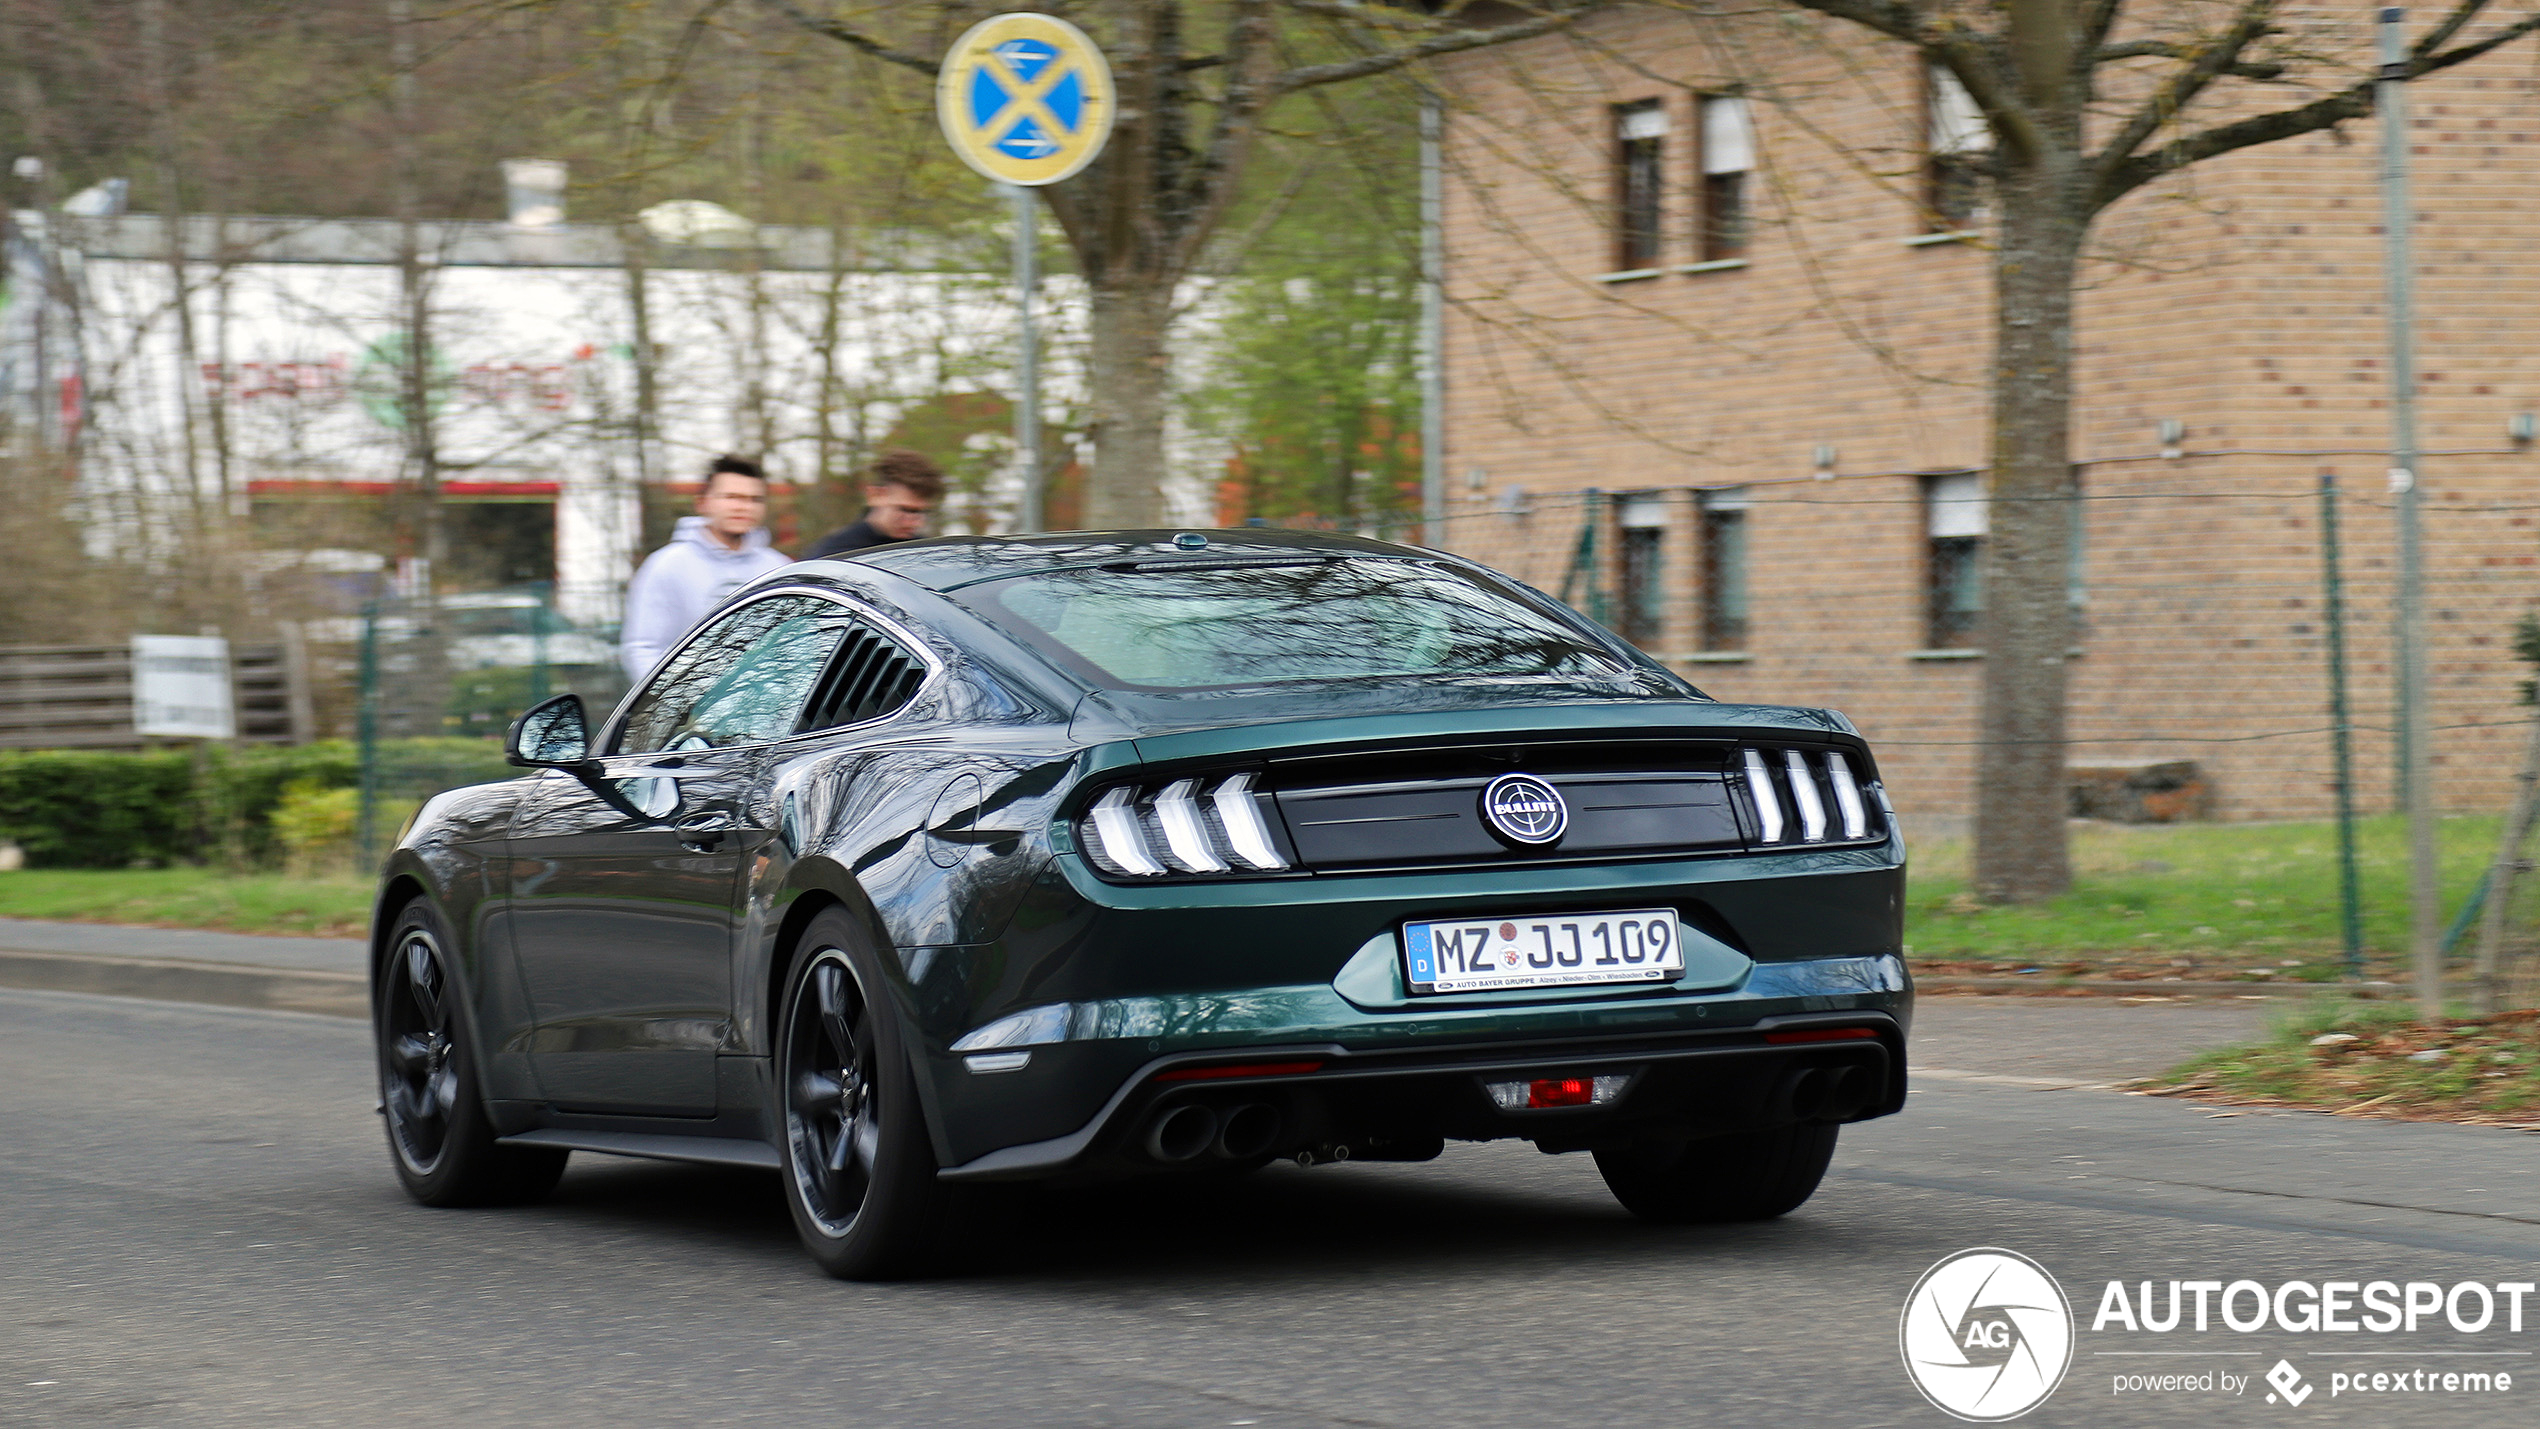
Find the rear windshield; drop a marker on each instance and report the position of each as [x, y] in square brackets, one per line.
[1347, 619]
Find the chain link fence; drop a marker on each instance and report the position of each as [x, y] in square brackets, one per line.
[438, 681]
[2233, 618]
[2232, 655]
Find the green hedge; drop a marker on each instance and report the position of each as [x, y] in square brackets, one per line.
[95, 809]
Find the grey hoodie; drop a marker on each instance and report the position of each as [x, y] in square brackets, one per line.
[679, 583]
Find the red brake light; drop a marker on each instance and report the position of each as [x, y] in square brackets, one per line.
[1560, 1091]
[1239, 1069]
[1822, 1034]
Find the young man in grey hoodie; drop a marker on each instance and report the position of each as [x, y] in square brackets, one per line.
[711, 554]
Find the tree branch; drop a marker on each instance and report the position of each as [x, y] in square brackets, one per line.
[1954, 49]
[2173, 97]
[853, 38]
[2163, 49]
[2098, 18]
[2327, 112]
[1450, 42]
[1209, 186]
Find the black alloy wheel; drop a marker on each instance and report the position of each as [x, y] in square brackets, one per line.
[830, 1115]
[443, 1145]
[859, 1168]
[421, 1082]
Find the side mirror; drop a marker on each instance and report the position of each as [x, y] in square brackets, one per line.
[554, 734]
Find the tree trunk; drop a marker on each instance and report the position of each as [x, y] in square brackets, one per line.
[2021, 798]
[1131, 387]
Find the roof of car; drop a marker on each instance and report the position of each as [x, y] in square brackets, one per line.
[950, 562]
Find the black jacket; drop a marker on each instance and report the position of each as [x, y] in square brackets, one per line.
[849, 538]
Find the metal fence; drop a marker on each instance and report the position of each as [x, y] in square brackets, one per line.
[2233, 618]
[437, 681]
[2232, 651]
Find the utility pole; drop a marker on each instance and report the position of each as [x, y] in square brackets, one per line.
[414, 292]
[1432, 324]
[2349, 886]
[2425, 910]
[154, 66]
[1028, 515]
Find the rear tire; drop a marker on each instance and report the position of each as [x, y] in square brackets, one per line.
[1746, 1176]
[859, 1172]
[439, 1137]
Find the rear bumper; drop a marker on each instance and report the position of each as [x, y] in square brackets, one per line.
[1333, 1080]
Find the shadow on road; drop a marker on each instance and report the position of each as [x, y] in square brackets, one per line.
[1276, 1223]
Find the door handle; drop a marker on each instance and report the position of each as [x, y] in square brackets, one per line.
[703, 832]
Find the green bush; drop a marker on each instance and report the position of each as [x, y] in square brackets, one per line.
[237, 790]
[316, 826]
[108, 809]
[81, 809]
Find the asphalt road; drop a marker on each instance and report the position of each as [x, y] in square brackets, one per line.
[198, 1227]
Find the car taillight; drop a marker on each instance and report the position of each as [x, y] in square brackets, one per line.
[1545, 1093]
[1185, 826]
[1791, 801]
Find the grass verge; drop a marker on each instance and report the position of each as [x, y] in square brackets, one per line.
[2244, 901]
[2260, 899]
[2372, 1059]
[190, 898]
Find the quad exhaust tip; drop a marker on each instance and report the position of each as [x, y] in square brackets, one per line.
[1182, 1133]
[1248, 1131]
[1825, 1093]
[1238, 1133]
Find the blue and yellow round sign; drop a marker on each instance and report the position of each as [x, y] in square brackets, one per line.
[1025, 98]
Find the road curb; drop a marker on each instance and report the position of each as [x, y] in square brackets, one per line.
[2100, 987]
[175, 980]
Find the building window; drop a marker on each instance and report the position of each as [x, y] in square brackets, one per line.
[1728, 155]
[1956, 518]
[1724, 568]
[1960, 145]
[1640, 142]
[1643, 518]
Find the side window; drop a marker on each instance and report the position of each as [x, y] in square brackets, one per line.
[1724, 568]
[1958, 143]
[743, 681]
[1956, 515]
[1640, 136]
[1643, 543]
[1728, 154]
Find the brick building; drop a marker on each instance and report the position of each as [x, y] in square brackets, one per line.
[1731, 277]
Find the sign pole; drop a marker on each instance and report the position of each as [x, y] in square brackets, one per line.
[2425, 910]
[1029, 513]
[1026, 99]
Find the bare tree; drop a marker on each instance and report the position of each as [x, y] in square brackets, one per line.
[2088, 101]
[1140, 217]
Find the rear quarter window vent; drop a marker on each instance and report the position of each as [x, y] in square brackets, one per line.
[868, 678]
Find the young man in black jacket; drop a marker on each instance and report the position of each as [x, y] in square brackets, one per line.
[900, 492]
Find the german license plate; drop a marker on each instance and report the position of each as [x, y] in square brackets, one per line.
[1564, 950]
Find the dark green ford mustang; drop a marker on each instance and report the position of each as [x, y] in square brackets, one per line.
[1089, 856]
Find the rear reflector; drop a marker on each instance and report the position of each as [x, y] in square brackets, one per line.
[1822, 1034]
[1543, 1093]
[1239, 1069]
